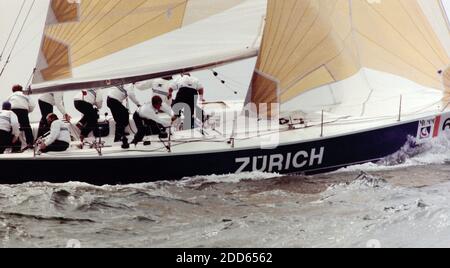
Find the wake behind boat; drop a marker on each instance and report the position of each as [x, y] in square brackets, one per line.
[337, 83]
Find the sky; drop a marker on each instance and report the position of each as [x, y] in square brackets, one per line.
[24, 56]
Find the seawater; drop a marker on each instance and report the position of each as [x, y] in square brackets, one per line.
[402, 201]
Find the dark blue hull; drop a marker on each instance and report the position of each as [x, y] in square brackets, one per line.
[312, 157]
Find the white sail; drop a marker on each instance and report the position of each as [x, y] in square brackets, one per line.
[231, 35]
[23, 53]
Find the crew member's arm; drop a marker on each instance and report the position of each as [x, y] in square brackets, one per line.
[15, 127]
[168, 110]
[132, 95]
[99, 99]
[31, 105]
[171, 87]
[59, 102]
[201, 91]
[151, 115]
[144, 85]
[54, 133]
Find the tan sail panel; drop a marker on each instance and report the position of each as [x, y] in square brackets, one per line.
[103, 27]
[311, 43]
[58, 61]
[200, 9]
[260, 82]
[63, 11]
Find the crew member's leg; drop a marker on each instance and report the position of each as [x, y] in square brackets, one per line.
[154, 127]
[92, 120]
[16, 147]
[46, 109]
[79, 105]
[187, 97]
[5, 141]
[25, 126]
[57, 146]
[121, 116]
[141, 130]
[90, 116]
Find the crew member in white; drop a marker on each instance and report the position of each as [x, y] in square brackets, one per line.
[147, 117]
[59, 138]
[22, 105]
[46, 103]
[88, 102]
[189, 90]
[162, 87]
[9, 129]
[121, 115]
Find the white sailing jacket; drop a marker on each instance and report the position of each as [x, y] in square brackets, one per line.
[160, 87]
[147, 111]
[9, 123]
[121, 93]
[19, 100]
[187, 81]
[55, 99]
[58, 131]
[92, 96]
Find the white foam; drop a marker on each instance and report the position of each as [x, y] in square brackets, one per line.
[370, 209]
[230, 178]
[434, 152]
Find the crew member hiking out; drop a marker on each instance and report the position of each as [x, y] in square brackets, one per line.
[22, 106]
[46, 103]
[59, 138]
[120, 112]
[189, 91]
[88, 102]
[162, 87]
[9, 129]
[148, 117]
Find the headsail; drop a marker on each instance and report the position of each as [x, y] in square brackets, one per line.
[446, 77]
[311, 43]
[80, 36]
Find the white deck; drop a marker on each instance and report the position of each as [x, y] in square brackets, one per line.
[193, 142]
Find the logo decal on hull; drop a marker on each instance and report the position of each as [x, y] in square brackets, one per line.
[428, 129]
[433, 127]
[425, 132]
[281, 162]
[446, 125]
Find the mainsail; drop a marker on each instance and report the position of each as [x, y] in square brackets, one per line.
[101, 42]
[309, 44]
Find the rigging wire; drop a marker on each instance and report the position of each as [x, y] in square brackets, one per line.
[12, 30]
[230, 79]
[29, 42]
[27, 45]
[216, 75]
[31, 78]
[17, 38]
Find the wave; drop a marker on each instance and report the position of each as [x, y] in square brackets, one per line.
[61, 220]
[370, 208]
[432, 152]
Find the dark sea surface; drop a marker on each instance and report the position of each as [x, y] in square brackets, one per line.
[403, 201]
